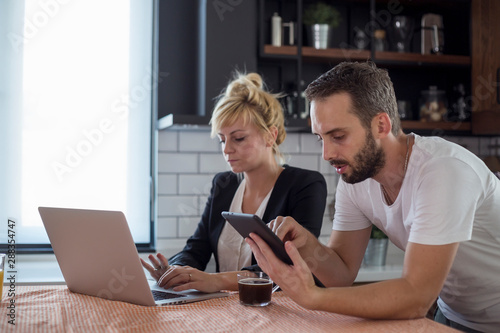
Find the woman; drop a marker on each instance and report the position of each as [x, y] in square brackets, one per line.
[249, 123]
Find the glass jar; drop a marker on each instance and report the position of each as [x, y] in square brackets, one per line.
[433, 104]
[380, 41]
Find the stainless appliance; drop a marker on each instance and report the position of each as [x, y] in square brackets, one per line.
[432, 34]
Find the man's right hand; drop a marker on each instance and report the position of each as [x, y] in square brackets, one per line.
[287, 229]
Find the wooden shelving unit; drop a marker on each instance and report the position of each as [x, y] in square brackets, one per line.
[441, 125]
[424, 58]
[415, 59]
[411, 72]
[310, 53]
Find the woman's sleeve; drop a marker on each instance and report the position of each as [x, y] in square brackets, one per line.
[307, 201]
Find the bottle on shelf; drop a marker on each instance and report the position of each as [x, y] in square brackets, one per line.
[291, 101]
[361, 40]
[291, 33]
[304, 102]
[276, 30]
[380, 42]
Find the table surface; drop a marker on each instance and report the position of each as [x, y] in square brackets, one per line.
[56, 309]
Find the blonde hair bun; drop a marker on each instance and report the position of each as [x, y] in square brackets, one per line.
[246, 87]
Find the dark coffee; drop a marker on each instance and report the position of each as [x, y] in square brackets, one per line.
[255, 291]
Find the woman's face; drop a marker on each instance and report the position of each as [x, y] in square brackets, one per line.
[244, 147]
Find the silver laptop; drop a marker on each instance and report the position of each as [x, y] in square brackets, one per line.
[98, 257]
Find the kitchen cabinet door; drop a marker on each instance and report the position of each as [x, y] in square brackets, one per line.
[485, 67]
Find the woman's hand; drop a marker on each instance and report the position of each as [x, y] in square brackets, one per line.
[186, 277]
[159, 265]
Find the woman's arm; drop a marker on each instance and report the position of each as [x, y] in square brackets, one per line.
[199, 247]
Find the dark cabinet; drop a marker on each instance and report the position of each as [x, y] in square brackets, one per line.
[290, 68]
[201, 43]
[178, 56]
[486, 67]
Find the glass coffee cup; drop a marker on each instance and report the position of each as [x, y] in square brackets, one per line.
[255, 288]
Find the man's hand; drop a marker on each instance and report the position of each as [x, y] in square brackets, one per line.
[287, 229]
[296, 280]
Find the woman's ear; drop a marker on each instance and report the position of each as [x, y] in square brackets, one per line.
[272, 135]
[381, 125]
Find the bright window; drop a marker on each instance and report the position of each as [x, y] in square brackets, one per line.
[76, 111]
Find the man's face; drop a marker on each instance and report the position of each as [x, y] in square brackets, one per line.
[347, 145]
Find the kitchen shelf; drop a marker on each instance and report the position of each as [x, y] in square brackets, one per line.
[311, 53]
[280, 50]
[441, 125]
[444, 59]
[337, 54]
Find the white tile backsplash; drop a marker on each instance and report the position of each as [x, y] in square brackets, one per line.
[195, 184]
[470, 143]
[331, 182]
[291, 144]
[167, 140]
[187, 226]
[177, 163]
[489, 146]
[198, 141]
[167, 184]
[326, 227]
[167, 227]
[309, 144]
[305, 161]
[213, 163]
[188, 160]
[325, 167]
[178, 205]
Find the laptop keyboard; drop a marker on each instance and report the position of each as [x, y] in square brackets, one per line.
[161, 295]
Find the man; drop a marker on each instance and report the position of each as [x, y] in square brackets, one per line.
[434, 199]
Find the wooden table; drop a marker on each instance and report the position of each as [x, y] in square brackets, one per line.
[56, 309]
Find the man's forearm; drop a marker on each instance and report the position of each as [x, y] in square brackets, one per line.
[326, 264]
[392, 299]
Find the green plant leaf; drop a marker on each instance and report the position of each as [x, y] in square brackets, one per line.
[377, 233]
[322, 13]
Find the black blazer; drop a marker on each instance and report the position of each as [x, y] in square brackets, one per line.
[298, 193]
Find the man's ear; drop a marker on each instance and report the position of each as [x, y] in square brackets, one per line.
[381, 125]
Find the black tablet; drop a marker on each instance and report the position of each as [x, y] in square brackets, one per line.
[248, 223]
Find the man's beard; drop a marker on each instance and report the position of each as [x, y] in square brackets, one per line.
[368, 162]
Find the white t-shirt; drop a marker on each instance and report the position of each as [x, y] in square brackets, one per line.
[448, 195]
[234, 253]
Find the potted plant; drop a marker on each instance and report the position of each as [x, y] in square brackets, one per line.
[376, 251]
[320, 19]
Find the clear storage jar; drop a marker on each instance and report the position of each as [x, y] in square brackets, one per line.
[433, 104]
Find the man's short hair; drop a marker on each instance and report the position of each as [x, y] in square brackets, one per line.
[369, 87]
